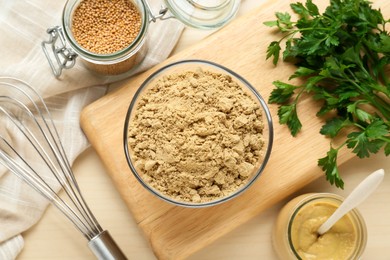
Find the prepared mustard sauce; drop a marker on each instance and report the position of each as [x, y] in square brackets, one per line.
[295, 231]
[338, 243]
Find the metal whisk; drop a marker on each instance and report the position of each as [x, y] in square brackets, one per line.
[27, 129]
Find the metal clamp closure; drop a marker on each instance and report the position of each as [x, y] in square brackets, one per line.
[64, 58]
[161, 14]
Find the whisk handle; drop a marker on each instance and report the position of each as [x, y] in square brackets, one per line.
[105, 248]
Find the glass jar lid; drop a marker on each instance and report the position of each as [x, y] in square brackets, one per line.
[203, 14]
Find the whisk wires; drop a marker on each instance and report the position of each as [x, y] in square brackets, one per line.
[40, 159]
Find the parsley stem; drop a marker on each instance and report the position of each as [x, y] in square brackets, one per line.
[374, 99]
[385, 138]
[292, 32]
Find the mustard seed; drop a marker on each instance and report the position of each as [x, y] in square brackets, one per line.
[106, 26]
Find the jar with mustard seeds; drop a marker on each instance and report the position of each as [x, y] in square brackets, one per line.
[110, 36]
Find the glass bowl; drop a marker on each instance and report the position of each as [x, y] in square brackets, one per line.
[197, 134]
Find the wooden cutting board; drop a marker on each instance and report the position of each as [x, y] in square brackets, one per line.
[176, 232]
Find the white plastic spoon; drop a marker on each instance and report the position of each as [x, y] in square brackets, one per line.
[358, 195]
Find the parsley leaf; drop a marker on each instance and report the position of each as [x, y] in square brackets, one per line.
[362, 145]
[284, 23]
[312, 8]
[333, 126]
[329, 165]
[282, 93]
[288, 115]
[302, 72]
[274, 50]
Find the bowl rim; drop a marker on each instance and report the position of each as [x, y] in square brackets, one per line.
[243, 81]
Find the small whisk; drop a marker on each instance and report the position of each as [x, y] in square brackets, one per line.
[30, 147]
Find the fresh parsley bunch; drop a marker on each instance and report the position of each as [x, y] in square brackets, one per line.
[342, 57]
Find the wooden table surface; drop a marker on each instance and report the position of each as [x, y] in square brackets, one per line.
[55, 238]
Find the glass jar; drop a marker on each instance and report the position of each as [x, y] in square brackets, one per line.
[62, 48]
[305, 214]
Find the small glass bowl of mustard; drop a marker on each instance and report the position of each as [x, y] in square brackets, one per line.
[193, 156]
[295, 231]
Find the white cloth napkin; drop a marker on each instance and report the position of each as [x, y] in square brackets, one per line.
[23, 26]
